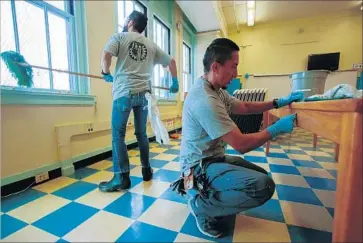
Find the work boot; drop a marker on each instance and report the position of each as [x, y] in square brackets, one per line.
[147, 173]
[120, 181]
[205, 224]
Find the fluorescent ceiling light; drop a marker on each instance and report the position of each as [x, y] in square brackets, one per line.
[250, 17]
[250, 4]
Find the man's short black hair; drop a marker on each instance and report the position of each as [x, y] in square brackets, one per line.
[220, 50]
[140, 20]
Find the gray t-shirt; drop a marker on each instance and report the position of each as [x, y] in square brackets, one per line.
[205, 120]
[136, 58]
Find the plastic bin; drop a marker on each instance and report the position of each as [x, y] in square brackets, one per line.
[309, 80]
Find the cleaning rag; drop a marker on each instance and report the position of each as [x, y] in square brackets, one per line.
[341, 91]
[159, 130]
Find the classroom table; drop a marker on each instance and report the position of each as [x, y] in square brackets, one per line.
[341, 122]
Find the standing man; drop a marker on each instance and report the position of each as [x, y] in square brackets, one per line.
[136, 56]
[225, 185]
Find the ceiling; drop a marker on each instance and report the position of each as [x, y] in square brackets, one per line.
[202, 14]
[266, 11]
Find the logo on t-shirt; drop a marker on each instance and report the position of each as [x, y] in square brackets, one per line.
[137, 51]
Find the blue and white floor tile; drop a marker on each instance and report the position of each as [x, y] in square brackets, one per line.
[72, 209]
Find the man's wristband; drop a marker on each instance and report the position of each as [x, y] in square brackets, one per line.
[104, 73]
[274, 103]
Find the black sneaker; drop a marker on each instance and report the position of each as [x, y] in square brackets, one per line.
[147, 173]
[120, 181]
[206, 225]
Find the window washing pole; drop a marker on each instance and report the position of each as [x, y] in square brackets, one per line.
[75, 73]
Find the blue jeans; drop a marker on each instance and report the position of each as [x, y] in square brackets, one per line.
[120, 114]
[235, 185]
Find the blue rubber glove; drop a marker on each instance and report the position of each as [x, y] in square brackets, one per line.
[284, 125]
[108, 78]
[174, 88]
[294, 96]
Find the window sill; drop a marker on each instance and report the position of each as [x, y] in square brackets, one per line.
[18, 96]
[162, 102]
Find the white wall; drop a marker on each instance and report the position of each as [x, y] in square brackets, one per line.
[279, 86]
[203, 41]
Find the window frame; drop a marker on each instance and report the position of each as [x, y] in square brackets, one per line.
[188, 72]
[158, 20]
[135, 2]
[74, 15]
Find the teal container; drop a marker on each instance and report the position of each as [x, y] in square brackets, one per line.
[360, 81]
[311, 82]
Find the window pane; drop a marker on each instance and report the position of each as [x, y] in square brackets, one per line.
[7, 41]
[162, 34]
[32, 40]
[59, 50]
[184, 59]
[159, 42]
[56, 3]
[161, 76]
[166, 40]
[129, 7]
[187, 81]
[187, 56]
[121, 15]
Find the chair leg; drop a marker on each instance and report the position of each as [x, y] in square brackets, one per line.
[336, 152]
[266, 123]
[315, 141]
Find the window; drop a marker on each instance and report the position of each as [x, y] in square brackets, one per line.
[125, 8]
[187, 69]
[161, 76]
[44, 33]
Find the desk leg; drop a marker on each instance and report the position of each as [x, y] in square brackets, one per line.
[336, 152]
[264, 119]
[315, 140]
[268, 123]
[348, 206]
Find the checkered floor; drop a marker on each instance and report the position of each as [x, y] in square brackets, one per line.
[72, 209]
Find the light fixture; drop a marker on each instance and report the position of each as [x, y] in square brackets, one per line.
[251, 5]
[250, 17]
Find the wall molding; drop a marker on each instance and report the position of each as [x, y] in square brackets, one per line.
[19, 96]
[69, 163]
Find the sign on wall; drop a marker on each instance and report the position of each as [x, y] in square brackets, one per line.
[357, 65]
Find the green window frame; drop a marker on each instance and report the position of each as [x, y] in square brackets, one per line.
[72, 14]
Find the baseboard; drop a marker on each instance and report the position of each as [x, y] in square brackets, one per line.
[22, 181]
[25, 183]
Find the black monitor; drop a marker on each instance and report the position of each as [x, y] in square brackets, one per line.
[325, 61]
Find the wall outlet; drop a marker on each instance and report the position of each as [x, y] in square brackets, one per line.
[89, 127]
[41, 177]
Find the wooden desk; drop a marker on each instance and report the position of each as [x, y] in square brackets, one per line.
[341, 122]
